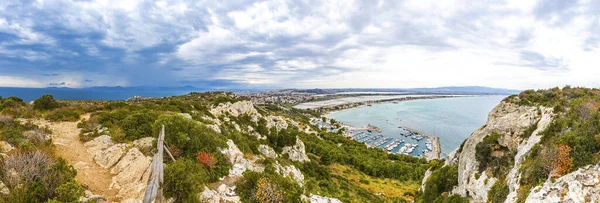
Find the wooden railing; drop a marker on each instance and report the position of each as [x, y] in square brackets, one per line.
[155, 181]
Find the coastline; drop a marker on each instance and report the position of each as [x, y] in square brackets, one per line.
[436, 148]
[328, 110]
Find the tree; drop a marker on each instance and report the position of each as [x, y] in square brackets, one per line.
[45, 102]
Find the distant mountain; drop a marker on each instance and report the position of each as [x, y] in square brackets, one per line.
[467, 89]
[434, 90]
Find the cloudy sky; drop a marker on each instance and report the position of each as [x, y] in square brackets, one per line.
[305, 44]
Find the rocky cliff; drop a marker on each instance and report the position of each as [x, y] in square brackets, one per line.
[516, 130]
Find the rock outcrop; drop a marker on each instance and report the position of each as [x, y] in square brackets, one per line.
[582, 185]
[126, 162]
[292, 172]
[296, 152]
[321, 199]
[237, 160]
[510, 121]
[236, 109]
[267, 151]
[222, 194]
[514, 177]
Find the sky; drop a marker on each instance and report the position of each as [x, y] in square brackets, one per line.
[300, 44]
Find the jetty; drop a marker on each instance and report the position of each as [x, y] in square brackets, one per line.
[436, 151]
[369, 128]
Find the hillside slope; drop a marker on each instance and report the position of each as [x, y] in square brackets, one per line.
[538, 146]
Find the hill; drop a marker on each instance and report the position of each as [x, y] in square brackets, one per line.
[537, 146]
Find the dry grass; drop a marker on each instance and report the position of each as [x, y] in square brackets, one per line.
[384, 186]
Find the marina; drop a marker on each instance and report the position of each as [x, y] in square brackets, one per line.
[396, 146]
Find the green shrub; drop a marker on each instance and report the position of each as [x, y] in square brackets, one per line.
[281, 189]
[183, 180]
[12, 135]
[63, 115]
[440, 181]
[69, 192]
[138, 125]
[45, 102]
[498, 192]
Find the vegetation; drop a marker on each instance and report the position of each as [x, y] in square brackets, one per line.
[46, 102]
[569, 142]
[183, 179]
[439, 184]
[267, 187]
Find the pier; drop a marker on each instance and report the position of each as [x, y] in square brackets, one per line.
[436, 151]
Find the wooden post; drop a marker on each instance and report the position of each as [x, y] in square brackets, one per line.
[156, 179]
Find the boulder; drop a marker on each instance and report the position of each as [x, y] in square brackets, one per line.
[98, 143]
[321, 199]
[296, 152]
[110, 156]
[144, 143]
[267, 151]
[223, 194]
[237, 160]
[292, 172]
[582, 185]
[132, 174]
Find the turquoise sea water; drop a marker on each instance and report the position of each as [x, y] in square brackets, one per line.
[451, 119]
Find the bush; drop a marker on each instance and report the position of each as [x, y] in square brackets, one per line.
[63, 115]
[440, 181]
[137, 126]
[183, 179]
[69, 192]
[498, 192]
[262, 187]
[45, 102]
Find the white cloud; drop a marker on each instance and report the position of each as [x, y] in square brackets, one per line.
[340, 43]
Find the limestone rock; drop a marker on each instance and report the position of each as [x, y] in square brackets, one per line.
[582, 185]
[5, 147]
[292, 172]
[321, 199]
[98, 143]
[510, 121]
[427, 174]
[132, 174]
[514, 176]
[144, 143]
[296, 152]
[88, 196]
[237, 160]
[267, 151]
[223, 194]
[236, 109]
[110, 156]
[277, 122]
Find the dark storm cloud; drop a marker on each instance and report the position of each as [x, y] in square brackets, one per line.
[229, 43]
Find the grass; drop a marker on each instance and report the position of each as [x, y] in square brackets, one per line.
[389, 188]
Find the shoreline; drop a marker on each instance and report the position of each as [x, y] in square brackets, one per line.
[328, 110]
[436, 148]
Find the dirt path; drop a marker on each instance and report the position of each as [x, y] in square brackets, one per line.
[65, 137]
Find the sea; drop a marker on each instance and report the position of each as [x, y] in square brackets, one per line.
[109, 93]
[451, 119]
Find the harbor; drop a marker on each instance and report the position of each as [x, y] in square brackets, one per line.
[414, 138]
